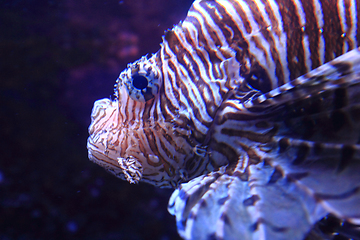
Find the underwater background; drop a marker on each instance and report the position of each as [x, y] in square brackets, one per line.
[56, 59]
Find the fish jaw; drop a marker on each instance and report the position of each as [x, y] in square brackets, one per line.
[101, 147]
[131, 149]
[113, 145]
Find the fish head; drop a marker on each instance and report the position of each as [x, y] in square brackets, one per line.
[131, 139]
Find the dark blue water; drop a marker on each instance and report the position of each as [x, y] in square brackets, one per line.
[56, 59]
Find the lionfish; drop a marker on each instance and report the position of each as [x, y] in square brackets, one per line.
[251, 111]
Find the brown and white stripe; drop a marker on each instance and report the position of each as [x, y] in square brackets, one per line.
[250, 92]
[224, 53]
[265, 44]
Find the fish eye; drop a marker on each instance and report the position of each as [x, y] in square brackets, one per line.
[142, 86]
[141, 80]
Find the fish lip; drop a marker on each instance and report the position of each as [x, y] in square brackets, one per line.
[104, 119]
[98, 154]
[105, 131]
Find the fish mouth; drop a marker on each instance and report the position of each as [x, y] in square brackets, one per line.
[101, 149]
[120, 148]
[105, 144]
[155, 152]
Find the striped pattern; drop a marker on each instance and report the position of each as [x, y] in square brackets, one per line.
[243, 89]
[222, 53]
[300, 160]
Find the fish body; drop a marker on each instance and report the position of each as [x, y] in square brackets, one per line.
[251, 110]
